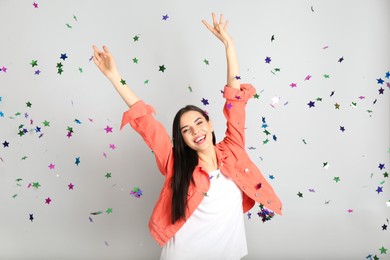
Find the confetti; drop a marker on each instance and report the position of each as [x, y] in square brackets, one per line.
[311, 104]
[205, 101]
[77, 162]
[162, 68]
[265, 214]
[136, 38]
[136, 192]
[108, 129]
[96, 213]
[34, 63]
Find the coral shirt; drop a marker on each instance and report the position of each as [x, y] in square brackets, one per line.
[233, 161]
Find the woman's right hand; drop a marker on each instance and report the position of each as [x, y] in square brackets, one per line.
[104, 61]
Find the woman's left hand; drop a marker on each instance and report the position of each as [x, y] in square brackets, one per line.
[219, 29]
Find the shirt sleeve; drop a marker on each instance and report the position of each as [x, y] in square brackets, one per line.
[140, 117]
[234, 111]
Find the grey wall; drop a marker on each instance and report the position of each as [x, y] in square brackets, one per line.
[347, 219]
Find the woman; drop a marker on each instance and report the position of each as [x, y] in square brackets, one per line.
[208, 186]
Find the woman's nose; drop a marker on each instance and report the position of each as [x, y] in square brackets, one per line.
[194, 130]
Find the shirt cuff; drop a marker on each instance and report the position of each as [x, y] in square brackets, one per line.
[139, 109]
[245, 92]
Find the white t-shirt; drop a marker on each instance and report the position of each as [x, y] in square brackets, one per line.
[216, 228]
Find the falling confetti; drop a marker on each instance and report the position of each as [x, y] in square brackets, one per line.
[136, 192]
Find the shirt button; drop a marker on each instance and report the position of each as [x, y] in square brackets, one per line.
[246, 170]
[256, 195]
[269, 201]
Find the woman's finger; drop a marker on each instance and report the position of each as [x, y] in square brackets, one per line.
[214, 20]
[226, 25]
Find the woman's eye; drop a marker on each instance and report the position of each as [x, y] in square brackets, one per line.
[200, 122]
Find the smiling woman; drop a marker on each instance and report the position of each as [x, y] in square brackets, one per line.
[192, 211]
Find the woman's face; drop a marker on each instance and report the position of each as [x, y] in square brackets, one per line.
[196, 130]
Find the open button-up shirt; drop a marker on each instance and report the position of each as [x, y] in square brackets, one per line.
[232, 157]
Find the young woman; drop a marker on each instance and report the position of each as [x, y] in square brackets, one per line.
[208, 186]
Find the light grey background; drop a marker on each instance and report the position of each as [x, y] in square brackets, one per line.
[310, 37]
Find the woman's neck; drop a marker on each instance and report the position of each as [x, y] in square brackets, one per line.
[209, 159]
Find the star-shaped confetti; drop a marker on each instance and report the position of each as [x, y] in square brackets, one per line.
[46, 123]
[383, 250]
[34, 63]
[64, 56]
[381, 166]
[5, 144]
[162, 68]
[265, 214]
[123, 82]
[136, 38]
[31, 217]
[136, 192]
[36, 185]
[293, 85]
[109, 210]
[205, 101]
[77, 162]
[108, 175]
[165, 17]
[108, 129]
[325, 165]
[336, 179]
[267, 60]
[311, 104]
[51, 166]
[342, 128]
[112, 146]
[206, 62]
[300, 194]
[35, 4]
[379, 189]
[3, 69]
[70, 186]
[48, 200]
[341, 59]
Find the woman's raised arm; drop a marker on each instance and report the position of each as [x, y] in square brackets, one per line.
[106, 64]
[219, 30]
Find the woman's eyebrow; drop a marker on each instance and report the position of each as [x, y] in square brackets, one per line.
[194, 122]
